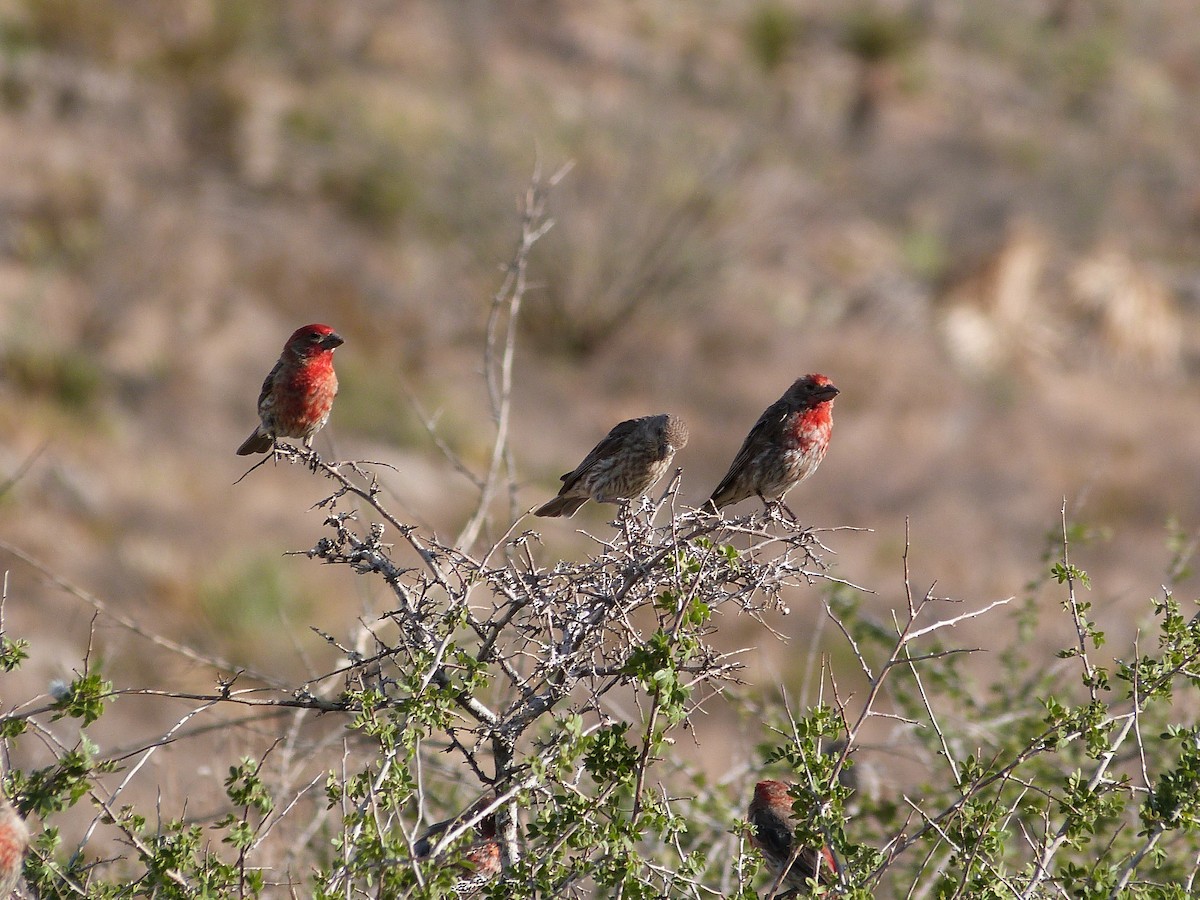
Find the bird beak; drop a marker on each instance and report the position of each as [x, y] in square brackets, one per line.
[827, 392]
[332, 340]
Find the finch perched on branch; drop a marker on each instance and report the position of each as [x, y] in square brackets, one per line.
[14, 841]
[298, 392]
[624, 465]
[784, 447]
[772, 833]
[479, 862]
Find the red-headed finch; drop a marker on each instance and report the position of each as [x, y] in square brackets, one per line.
[772, 833]
[14, 841]
[784, 447]
[298, 393]
[479, 862]
[624, 465]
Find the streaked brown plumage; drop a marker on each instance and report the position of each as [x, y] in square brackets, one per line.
[784, 447]
[624, 465]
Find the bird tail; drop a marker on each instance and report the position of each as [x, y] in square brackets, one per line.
[718, 499]
[258, 442]
[561, 506]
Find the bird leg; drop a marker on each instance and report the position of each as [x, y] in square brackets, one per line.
[624, 508]
[777, 508]
[313, 458]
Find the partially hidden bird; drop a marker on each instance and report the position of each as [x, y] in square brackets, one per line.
[772, 833]
[14, 842]
[298, 393]
[784, 447]
[624, 465]
[479, 862]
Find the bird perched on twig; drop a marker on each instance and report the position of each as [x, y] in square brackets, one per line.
[298, 393]
[14, 841]
[772, 833]
[624, 465]
[479, 862]
[784, 447]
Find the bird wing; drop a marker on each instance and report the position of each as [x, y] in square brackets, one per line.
[608, 445]
[265, 393]
[762, 434]
[774, 836]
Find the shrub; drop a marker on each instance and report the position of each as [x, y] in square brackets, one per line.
[536, 702]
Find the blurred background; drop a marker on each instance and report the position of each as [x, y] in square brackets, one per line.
[981, 220]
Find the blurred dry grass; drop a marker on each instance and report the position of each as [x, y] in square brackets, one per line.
[981, 221]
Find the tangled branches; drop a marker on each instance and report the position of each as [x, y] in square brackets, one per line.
[516, 664]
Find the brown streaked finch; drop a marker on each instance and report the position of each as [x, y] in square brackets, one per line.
[784, 447]
[298, 393]
[772, 833]
[14, 841]
[623, 466]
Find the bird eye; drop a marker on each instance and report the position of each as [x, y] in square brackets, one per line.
[314, 336]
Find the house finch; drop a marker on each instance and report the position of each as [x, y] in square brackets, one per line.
[298, 393]
[479, 861]
[772, 833]
[14, 841]
[632, 456]
[784, 447]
